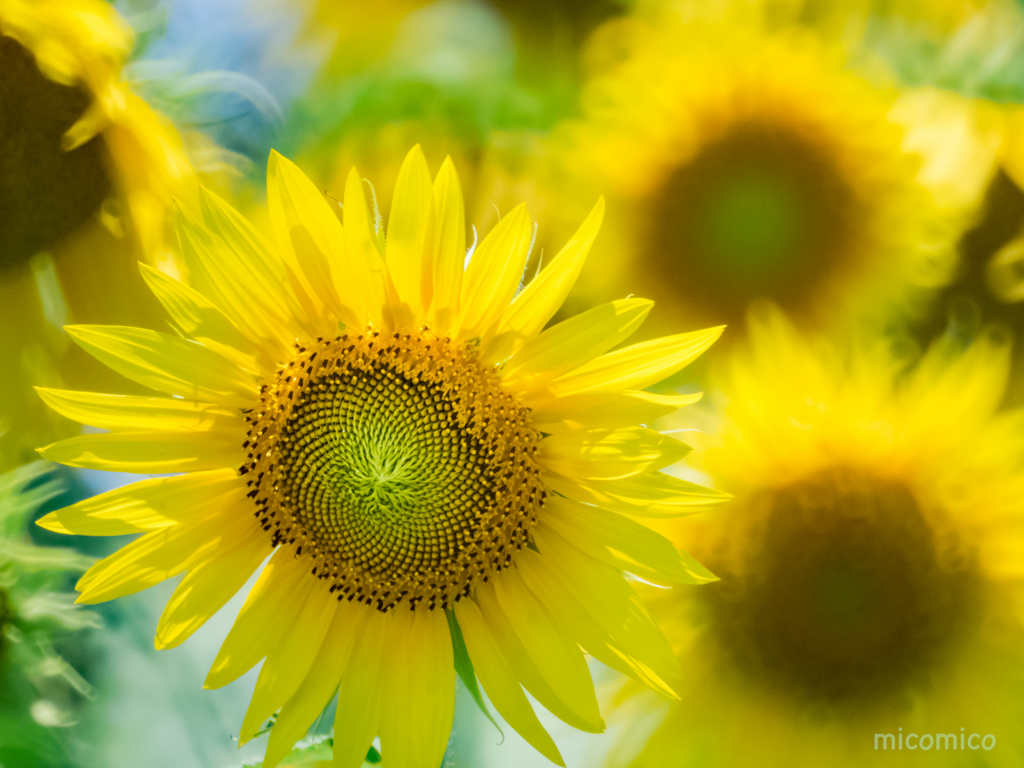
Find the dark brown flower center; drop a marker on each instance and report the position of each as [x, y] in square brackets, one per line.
[46, 193]
[764, 210]
[842, 589]
[398, 463]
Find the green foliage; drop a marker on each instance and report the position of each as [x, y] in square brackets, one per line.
[39, 691]
[983, 59]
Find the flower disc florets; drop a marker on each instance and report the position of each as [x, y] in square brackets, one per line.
[398, 462]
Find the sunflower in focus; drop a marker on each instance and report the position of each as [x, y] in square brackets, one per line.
[871, 565]
[87, 171]
[747, 162]
[436, 480]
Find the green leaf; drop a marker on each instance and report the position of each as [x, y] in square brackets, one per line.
[464, 666]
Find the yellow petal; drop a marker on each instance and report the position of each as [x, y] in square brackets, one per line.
[622, 543]
[309, 236]
[652, 494]
[124, 412]
[149, 453]
[418, 694]
[198, 318]
[539, 301]
[266, 619]
[557, 657]
[573, 342]
[635, 367]
[157, 556]
[447, 241]
[610, 601]
[357, 718]
[593, 410]
[493, 275]
[366, 269]
[287, 664]
[168, 363]
[576, 622]
[609, 453]
[218, 273]
[319, 685]
[525, 665]
[208, 586]
[407, 229]
[499, 680]
[147, 504]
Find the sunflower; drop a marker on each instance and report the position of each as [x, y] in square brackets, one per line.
[40, 692]
[871, 577]
[87, 171]
[747, 161]
[395, 430]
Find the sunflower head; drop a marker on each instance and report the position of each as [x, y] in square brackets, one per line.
[747, 161]
[78, 143]
[438, 479]
[867, 564]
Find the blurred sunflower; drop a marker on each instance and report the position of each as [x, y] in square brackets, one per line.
[87, 170]
[962, 113]
[871, 564]
[39, 691]
[372, 412]
[745, 163]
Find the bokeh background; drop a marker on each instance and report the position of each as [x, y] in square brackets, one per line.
[858, 163]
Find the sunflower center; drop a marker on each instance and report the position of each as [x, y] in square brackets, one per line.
[762, 210]
[46, 193]
[845, 590]
[398, 463]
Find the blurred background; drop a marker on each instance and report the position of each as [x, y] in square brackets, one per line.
[858, 163]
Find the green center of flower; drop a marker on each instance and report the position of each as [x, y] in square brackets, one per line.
[398, 463]
[46, 192]
[843, 590]
[763, 210]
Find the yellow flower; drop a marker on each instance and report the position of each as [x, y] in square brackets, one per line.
[77, 132]
[397, 429]
[871, 564]
[87, 171]
[743, 162]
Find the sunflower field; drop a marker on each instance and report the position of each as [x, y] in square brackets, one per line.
[511, 383]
